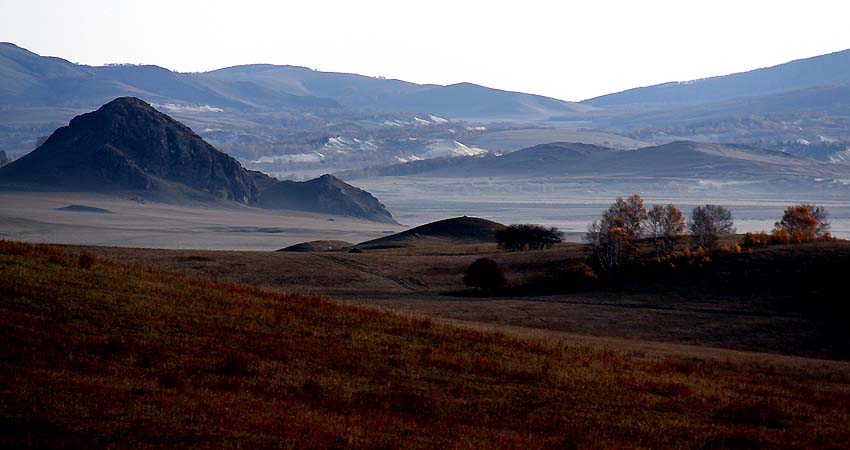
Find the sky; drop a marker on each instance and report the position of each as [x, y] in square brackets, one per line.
[571, 50]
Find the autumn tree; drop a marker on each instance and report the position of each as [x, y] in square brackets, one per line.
[485, 274]
[708, 223]
[803, 223]
[664, 224]
[628, 214]
[613, 238]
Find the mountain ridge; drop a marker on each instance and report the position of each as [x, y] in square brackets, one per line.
[832, 69]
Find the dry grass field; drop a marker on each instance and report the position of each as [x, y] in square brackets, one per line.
[777, 299]
[103, 354]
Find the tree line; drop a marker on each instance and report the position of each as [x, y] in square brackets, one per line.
[615, 237]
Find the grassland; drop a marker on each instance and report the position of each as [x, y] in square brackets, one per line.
[100, 354]
[778, 299]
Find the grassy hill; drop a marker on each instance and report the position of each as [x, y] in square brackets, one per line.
[108, 355]
[457, 230]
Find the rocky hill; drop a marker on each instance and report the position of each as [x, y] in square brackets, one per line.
[326, 194]
[128, 146]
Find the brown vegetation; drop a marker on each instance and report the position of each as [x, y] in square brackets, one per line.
[107, 355]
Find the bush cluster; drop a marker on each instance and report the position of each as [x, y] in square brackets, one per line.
[527, 237]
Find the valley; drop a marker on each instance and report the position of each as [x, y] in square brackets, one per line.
[275, 256]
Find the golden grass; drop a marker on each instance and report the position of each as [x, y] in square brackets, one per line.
[98, 354]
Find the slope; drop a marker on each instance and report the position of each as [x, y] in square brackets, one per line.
[326, 194]
[681, 159]
[457, 230]
[117, 356]
[824, 70]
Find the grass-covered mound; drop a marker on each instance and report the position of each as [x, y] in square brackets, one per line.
[102, 355]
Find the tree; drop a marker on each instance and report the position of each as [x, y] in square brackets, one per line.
[611, 248]
[664, 224]
[527, 237]
[628, 214]
[803, 222]
[484, 274]
[708, 223]
[614, 237]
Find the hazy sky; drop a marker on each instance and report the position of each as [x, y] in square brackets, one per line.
[565, 49]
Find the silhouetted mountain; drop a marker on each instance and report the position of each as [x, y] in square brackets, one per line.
[825, 70]
[465, 230]
[326, 194]
[128, 145]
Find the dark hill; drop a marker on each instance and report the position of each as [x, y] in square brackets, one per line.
[326, 194]
[84, 209]
[318, 246]
[457, 230]
[128, 145]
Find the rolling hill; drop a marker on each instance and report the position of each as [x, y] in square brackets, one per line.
[681, 159]
[98, 353]
[326, 194]
[30, 79]
[457, 230]
[825, 70]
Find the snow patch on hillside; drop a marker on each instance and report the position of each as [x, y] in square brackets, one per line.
[443, 148]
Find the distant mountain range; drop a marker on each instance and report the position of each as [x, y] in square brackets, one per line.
[681, 159]
[30, 79]
[820, 71]
[297, 122]
[128, 147]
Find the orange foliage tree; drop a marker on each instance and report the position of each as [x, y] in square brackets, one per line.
[613, 238]
[802, 222]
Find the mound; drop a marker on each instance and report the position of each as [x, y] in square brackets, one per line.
[84, 208]
[318, 246]
[466, 230]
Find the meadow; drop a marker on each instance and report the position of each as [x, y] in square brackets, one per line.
[107, 354]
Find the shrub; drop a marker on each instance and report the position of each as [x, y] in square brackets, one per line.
[756, 239]
[485, 274]
[85, 261]
[580, 277]
[527, 237]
